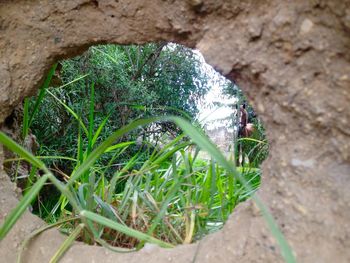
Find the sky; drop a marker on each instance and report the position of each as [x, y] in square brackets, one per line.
[211, 115]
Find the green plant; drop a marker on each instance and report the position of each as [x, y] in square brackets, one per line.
[163, 194]
[86, 166]
[131, 82]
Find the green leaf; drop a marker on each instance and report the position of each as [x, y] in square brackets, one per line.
[70, 111]
[13, 146]
[67, 243]
[124, 229]
[14, 215]
[118, 146]
[99, 129]
[91, 118]
[74, 80]
[38, 231]
[95, 154]
[25, 128]
[42, 93]
[203, 142]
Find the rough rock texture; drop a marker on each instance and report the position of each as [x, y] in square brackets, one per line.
[291, 58]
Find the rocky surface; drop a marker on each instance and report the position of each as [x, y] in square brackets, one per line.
[291, 58]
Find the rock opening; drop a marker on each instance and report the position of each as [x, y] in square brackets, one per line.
[292, 60]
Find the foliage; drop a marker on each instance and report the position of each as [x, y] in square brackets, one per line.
[254, 148]
[94, 204]
[130, 82]
[117, 191]
[199, 202]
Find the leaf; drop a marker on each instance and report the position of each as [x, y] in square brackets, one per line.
[118, 146]
[91, 118]
[13, 146]
[124, 229]
[25, 129]
[202, 141]
[42, 93]
[15, 214]
[99, 129]
[67, 243]
[38, 231]
[95, 154]
[71, 112]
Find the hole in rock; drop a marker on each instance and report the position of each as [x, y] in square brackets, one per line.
[101, 125]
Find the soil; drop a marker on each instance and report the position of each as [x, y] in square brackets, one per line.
[292, 60]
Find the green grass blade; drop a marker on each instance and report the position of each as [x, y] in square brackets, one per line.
[107, 55]
[118, 146]
[203, 142]
[286, 250]
[30, 180]
[74, 80]
[13, 146]
[95, 154]
[42, 93]
[25, 128]
[55, 157]
[67, 243]
[123, 229]
[14, 215]
[38, 231]
[252, 140]
[90, 193]
[117, 175]
[99, 129]
[207, 183]
[168, 154]
[70, 111]
[91, 118]
[80, 152]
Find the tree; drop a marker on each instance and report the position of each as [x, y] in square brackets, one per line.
[130, 82]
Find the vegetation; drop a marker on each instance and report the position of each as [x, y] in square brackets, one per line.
[114, 189]
[130, 82]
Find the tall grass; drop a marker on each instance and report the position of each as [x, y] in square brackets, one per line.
[172, 197]
[108, 211]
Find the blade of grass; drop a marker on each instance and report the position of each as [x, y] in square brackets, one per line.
[42, 93]
[99, 129]
[202, 141]
[117, 146]
[13, 146]
[12, 218]
[38, 231]
[25, 128]
[42, 157]
[95, 154]
[124, 229]
[71, 112]
[74, 80]
[30, 179]
[91, 118]
[117, 175]
[67, 243]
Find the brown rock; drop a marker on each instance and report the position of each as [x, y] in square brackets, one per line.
[299, 60]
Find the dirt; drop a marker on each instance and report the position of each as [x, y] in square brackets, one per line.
[291, 58]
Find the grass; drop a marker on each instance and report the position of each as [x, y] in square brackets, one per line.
[114, 212]
[171, 197]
